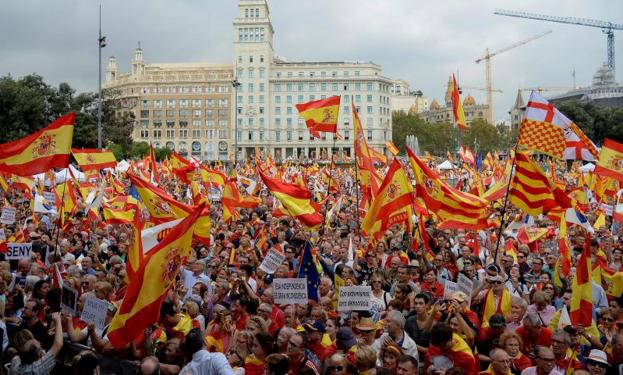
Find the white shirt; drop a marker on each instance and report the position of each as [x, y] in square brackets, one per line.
[532, 371]
[205, 362]
[190, 280]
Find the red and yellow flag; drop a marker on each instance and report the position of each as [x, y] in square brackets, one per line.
[321, 115]
[212, 177]
[393, 203]
[149, 286]
[296, 200]
[152, 164]
[457, 106]
[531, 190]
[581, 307]
[43, 150]
[454, 208]
[370, 180]
[610, 162]
[94, 159]
[391, 147]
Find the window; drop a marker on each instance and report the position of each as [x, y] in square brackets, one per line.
[370, 111]
[333, 74]
[289, 99]
[369, 86]
[261, 101]
[369, 134]
[210, 123]
[261, 87]
[300, 99]
[246, 13]
[346, 135]
[312, 97]
[277, 122]
[251, 60]
[300, 87]
[196, 112]
[170, 133]
[346, 87]
[251, 88]
[289, 135]
[183, 112]
[145, 103]
[250, 72]
[144, 114]
[170, 124]
[157, 103]
[183, 124]
[251, 99]
[261, 136]
[277, 111]
[312, 87]
[277, 99]
[210, 103]
[356, 73]
[289, 122]
[277, 87]
[301, 135]
[144, 124]
[250, 135]
[196, 103]
[346, 98]
[144, 133]
[369, 98]
[346, 109]
[196, 123]
[323, 86]
[196, 133]
[262, 71]
[278, 136]
[157, 124]
[183, 103]
[170, 113]
[334, 87]
[222, 134]
[257, 12]
[289, 110]
[223, 123]
[183, 133]
[261, 60]
[157, 133]
[170, 103]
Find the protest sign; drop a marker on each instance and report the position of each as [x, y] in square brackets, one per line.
[449, 289]
[289, 291]
[18, 251]
[465, 285]
[354, 298]
[95, 311]
[69, 298]
[8, 215]
[50, 197]
[2, 235]
[272, 261]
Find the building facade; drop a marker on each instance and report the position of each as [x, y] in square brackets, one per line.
[259, 91]
[438, 114]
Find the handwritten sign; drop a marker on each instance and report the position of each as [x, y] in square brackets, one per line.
[290, 291]
[272, 261]
[17, 251]
[354, 298]
[69, 298]
[465, 285]
[95, 311]
[8, 215]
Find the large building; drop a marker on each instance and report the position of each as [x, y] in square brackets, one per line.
[438, 114]
[196, 108]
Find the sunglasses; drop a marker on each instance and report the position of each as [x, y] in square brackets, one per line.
[495, 282]
[608, 320]
[598, 364]
[335, 368]
[548, 288]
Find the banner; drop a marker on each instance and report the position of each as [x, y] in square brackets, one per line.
[272, 261]
[8, 215]
[17, 251]
[449, 289]
[354, 298]
[465, 285]
[95, 311]
[290, 291]
[69, 298]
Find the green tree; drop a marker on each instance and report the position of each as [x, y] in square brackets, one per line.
[138, 150]
[596, 122]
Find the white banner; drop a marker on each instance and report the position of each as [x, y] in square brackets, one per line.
[17, 251]
[8, 215]
[272, 261]
[95, 311]
[465, 285]
[449, 289]
[49, 196]
[354, 298]
[290, 291]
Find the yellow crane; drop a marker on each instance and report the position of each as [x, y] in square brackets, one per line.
[487, 58]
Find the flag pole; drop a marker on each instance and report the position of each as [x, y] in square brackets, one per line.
[503, 214]
[61, 214]
[326, 203]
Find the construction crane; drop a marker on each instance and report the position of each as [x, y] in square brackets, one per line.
[540, 89]
[487, 58]
[605, 26]
[478, 89]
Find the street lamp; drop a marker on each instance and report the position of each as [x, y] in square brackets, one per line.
[235, 83]
[101, 44]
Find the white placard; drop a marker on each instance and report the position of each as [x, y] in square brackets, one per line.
[354, 298]
[2, 235]
[8, 215]
[465, 285]
[449, 289]
[272, 261]
[50, 197]
[18, 251]
[94, 311]
[290, 291]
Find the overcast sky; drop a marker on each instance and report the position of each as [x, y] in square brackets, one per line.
[419, 41]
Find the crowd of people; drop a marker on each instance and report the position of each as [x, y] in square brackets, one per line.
[220, 316]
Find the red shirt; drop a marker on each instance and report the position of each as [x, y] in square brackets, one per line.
[544, 338]
[277, 320]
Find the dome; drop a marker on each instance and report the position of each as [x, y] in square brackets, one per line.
[469, 100]
[434, 106]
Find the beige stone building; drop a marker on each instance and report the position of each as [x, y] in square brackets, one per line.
[196, 109]
[437, 113]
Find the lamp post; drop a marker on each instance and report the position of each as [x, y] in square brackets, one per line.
[101, 40]
[235, 83]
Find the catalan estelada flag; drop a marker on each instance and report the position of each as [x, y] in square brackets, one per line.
[140, 307]
[393, 203]
[610, 162]
[457, 106]
[581, 306]
[321, 115]
[454, 208]
[531, 191]
[296, 200]
[43, 150]
[94, 159]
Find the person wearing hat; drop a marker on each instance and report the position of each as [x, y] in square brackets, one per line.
[315, 330]
[389, 357]
[367, 331]
[597, 362]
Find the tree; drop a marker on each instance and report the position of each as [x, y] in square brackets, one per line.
[596, 122]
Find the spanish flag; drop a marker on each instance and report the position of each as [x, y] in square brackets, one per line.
[454, 208]
[232, 199]
[393, 203]
[531, 191]
[94, 159]
[581, 306]
[321, 115]
[391, 147]
[610, 162]
[369, 178]
[457, 106]
[123, 215]
[295, 199]
[43, 150]
[211, 177]
[181, 167]
[147, 289]
[152, 164]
